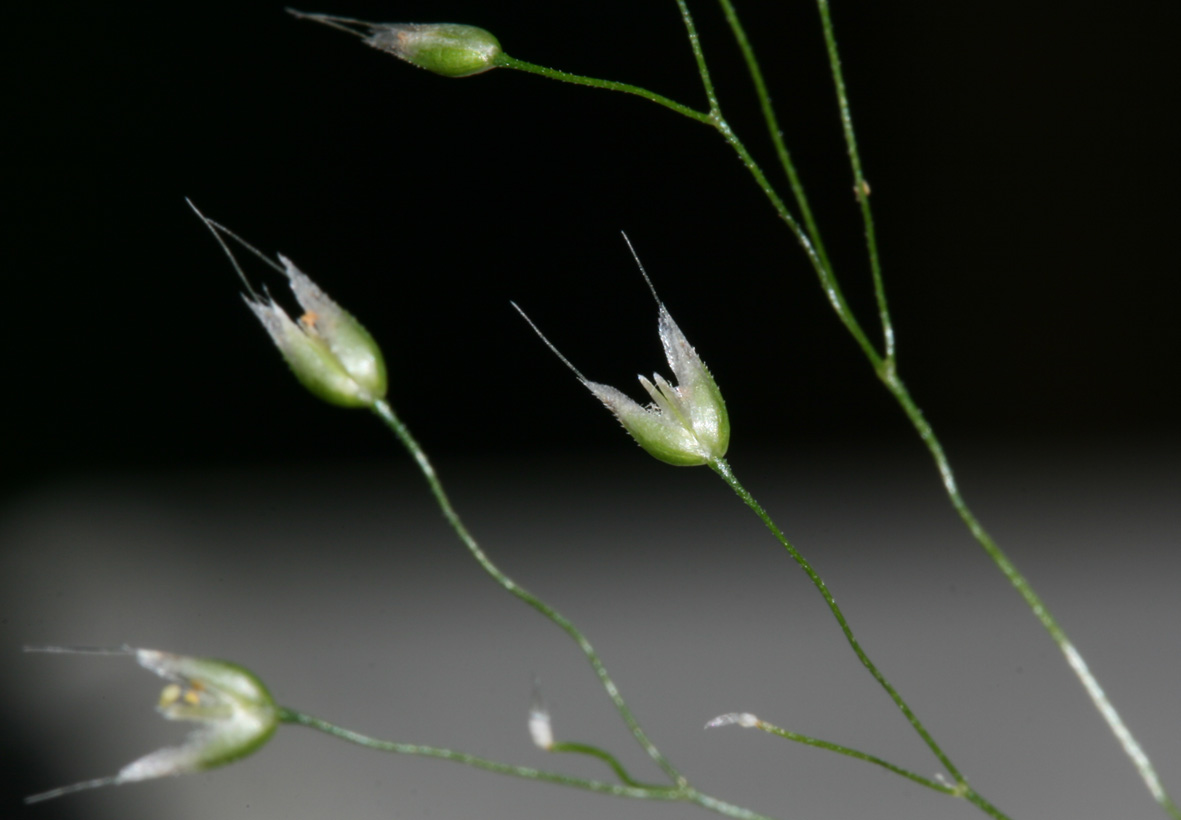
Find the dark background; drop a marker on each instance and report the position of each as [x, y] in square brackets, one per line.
[1020, 158]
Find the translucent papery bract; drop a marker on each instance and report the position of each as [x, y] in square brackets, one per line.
[328, 350]
[700, 397]
[659, 433]
[687, 424]
[351, 344]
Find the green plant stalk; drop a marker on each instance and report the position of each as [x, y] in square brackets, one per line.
[775, 132]
[606, 757]
[619, 790]
[796, 737]
[860, 186]
[959, 790]
[1074, 660]
[505, 61]
[722, 468]
[386, 413]
[883, 365]
[682, 793]
[715, 120]
[887, 372]
[630, 787]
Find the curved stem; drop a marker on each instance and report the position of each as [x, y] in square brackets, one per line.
[505, 61]
[386, 413]
[828, 280]
[1079, 666]
[796, 737]
[860, 186]
[529, 773]
[682, 794]
[882, 363]
[606, 757]
[885, 367]
[707, 82]
[722, 468]
[773, 129]
[715, 119]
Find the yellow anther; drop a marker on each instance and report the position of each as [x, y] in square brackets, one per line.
[170, 694]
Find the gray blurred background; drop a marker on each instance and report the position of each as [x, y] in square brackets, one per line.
[168, 484]
[346, 593]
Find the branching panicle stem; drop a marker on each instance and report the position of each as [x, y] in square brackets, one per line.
[722, 468]
[882, 361]
[386, 413]
[633, 790]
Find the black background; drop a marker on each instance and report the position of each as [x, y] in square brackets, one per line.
[1023, 182]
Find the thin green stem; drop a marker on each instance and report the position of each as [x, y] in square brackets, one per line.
[707, 83]
[809, 239]
[386, 413]
[608, 758]
[505, 61]
[885, 367]
[634, 791]
[529, 773]
[787, 734]
[828, 280]
[960, 789]
[773, 129]
[1079, 666]
[715, 119]
[860, 186]
[882, 363]
[722, 468]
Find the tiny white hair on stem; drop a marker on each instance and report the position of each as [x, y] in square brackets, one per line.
[743, 719]
[541, 728]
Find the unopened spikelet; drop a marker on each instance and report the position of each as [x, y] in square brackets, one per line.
[449, 49]
[329, 351]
